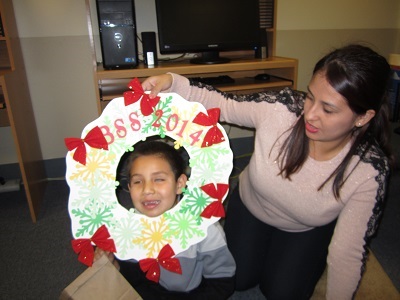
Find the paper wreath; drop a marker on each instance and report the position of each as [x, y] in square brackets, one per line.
[92, 167]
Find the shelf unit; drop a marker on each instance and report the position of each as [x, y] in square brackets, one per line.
[283, 71]
[6, 65]
[243, 67]
[16, 110]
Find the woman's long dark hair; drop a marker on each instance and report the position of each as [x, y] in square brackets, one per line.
[361, 76]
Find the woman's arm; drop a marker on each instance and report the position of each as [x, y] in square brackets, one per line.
[348, 248]
[242, 110]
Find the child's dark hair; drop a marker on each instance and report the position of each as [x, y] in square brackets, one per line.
[160, 149]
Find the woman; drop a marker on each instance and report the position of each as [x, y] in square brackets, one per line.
[317, 178]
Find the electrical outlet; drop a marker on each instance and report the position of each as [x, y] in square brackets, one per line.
[10, 185]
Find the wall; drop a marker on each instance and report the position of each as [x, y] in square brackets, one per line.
[309, 29]
[58, 59]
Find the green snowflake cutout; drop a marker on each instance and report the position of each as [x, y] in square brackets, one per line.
[160, 116]
[195, 202]
[208, 156]
[124, 231]
[92, 217]
[100, 192]
[184, 227]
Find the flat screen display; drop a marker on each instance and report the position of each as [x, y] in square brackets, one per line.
[207, 27]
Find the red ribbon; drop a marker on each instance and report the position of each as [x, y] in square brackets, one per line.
[85, 249]
[214, 134]
[146, 105]
[165, 259]
[94, 139]
[215, 208]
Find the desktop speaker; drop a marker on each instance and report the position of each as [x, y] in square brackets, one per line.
[149, 48]
[262, 49]
[117, 28]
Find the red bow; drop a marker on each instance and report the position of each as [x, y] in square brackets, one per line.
[165, 259]
[85, 249]
[215, 208]
[214, 134]
[94, 139]
[146, 105]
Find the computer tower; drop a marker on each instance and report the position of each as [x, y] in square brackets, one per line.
[117, 26]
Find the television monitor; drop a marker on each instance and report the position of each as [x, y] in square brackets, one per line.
[207, 27]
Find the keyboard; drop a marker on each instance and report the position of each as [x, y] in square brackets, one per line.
[223, 79]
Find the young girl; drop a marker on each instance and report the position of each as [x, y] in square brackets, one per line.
[313, 191]
[156, 179]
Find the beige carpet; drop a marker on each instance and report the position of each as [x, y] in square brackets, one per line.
[375, 284]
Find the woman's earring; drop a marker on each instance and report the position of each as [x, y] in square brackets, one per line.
[359, 124]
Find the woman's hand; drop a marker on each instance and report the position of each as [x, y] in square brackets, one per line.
[157, 84]
[100, 252]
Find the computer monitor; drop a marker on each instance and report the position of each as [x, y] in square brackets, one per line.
[207, 27]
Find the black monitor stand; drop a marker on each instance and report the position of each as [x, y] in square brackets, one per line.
[209, 58]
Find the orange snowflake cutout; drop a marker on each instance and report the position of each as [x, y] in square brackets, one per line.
[152, 236]
[136, 93]
[97, 167]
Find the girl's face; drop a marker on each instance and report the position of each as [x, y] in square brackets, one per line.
[329, 121]
[152, 185]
